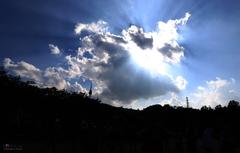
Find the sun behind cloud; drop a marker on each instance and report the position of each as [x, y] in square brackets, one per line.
[123, 68]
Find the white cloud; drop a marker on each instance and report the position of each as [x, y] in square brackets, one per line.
[23, 69]
[54, 79]
[54, 49]
[170, 29]
[76, 87]
[212, 93]
[174, 100]
[98, 27]
[51, 77]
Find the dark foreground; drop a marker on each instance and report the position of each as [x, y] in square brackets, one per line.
[37, 120]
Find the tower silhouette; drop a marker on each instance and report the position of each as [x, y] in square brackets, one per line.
[90, 90]
[187, 102]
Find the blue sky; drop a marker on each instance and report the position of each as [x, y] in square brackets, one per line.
[210, 40]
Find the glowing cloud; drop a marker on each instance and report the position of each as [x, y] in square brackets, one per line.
[124, 67]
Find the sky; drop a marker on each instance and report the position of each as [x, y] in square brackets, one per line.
[135, 53]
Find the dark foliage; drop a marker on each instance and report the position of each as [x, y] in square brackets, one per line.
[47, 120]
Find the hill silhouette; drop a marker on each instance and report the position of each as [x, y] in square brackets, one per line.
[44, 120]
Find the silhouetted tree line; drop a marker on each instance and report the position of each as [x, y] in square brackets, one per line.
[48, 120]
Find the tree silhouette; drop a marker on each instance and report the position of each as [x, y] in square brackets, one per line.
[233, 104]
[51, 120]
